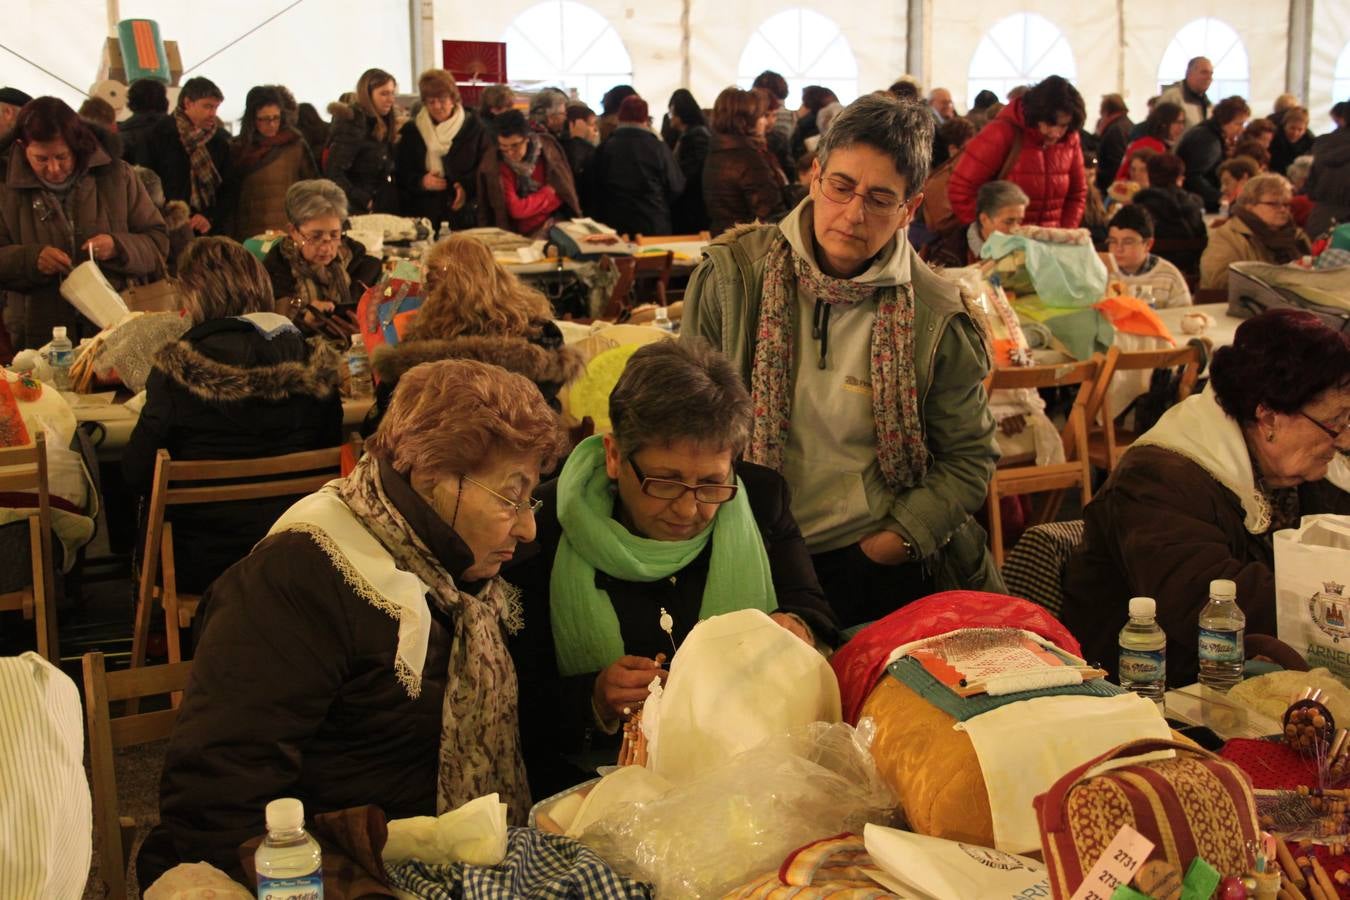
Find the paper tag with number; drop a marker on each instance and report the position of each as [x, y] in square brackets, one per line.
[1127, 851]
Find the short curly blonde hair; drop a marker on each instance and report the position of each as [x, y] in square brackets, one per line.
[453, 416]
[218, 278]
[470, 293]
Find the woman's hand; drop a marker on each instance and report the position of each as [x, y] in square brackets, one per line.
[460, 198]
[103, 246]
[52, 261]
[885, 548]
[200, 223]
[795, 625]
[433, 182]
[625, 683]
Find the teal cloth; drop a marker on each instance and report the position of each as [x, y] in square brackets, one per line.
[1083, 332]
[586, 631]
[1065, 275]
[1340, 237]
[911, 673]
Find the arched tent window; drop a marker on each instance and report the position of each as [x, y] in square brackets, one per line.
[805, 48]
[1214, 39]
[569, 45]
[1021, 49]
[1340, 86]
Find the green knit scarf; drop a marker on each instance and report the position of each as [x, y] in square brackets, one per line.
[585, 626]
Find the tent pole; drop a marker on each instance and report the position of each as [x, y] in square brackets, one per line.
[1120, 42]
[684, 43]
[114, 15]
[422, 35]
[916, 43]
[1298, 71]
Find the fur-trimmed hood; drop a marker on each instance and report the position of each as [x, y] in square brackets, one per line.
[218, 382]
[515, 354]
[176, 214]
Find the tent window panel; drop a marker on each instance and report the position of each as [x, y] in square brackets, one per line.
[805, 47]
[1216, 40]
[1021, 49]
[567, 44]
[1340, 85]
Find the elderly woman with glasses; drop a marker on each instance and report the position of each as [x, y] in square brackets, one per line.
[864, 368]
[358, 655]
[646, 531]
[1201, 494]
[318, 273]
[1262, 229]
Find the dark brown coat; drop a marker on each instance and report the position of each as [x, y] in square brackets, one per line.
[1163, 527]
[492, 200]
[740, 186]
[261, 193]
[107, 199]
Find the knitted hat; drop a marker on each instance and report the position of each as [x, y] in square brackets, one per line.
[14, 97]
[633, 109]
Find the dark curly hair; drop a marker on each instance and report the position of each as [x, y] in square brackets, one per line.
[1281, 359]
[1164, 169]
[1160, 120]
[1228, 109]
[1050, 98]
[49, 119]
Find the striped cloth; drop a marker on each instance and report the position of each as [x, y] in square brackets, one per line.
[911, 673]
[46, 819]
[538, 866]
[1034, 569]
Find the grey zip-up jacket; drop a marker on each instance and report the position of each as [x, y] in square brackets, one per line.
[722, 305]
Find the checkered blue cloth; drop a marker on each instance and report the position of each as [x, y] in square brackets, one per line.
[538, 866]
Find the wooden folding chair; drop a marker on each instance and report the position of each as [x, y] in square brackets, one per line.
[23, 470]
[1021, 478]
[107, 735]
[181, 484]
[646, 240]
[1107, 442]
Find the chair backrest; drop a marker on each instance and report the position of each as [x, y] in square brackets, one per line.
[644, 240]
[23, 470]
[1085, 374]
[621, 295]
[108, 734]
[1191, 357]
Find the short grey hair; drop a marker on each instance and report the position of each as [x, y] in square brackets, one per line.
[314, 198]
[1298, 169]
[545, 102]
[901, 129]
[680, 390]
[1265, 185]
[996, 195]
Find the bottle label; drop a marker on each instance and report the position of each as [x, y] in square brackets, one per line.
[306, 887]
[1143, 666]
[1220, 646]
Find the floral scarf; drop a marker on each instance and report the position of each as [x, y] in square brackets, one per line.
[480, 738]
[205, 177]
[332, 282]
[895, 396]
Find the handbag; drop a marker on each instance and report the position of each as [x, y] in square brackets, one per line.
[157, 294]
[1193, 805]
[938, 215]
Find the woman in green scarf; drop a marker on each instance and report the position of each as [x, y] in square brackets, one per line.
[645, 532]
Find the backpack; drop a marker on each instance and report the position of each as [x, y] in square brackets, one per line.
[938, 216]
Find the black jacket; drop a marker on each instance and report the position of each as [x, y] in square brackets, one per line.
[635, 179]
[163, 151]
[556, 721]
[134, 133]
[1283, 151]
[224, 391]
[1329, 181]
[1201, 148]
[461, 167]
[688, 214]
[294, 694]
[1111, 151]
[364, 269]
[1177, 216]
[362, 166]
[580, 154]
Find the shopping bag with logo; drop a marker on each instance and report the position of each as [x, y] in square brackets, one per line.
[1312, 600]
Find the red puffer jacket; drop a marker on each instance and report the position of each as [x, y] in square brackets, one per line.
[1052, 176]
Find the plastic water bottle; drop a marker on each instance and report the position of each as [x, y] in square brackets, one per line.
[1143, 651]
[1222, 625]
[289, 861]
[662, 319]
[61, 355]
[358, 366]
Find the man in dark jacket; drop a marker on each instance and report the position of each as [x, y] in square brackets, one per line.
[190, 152]
[11, 101]
[680, 413]
[148, 101]
[1329, 181]
[580, 138]
[1113, 133]
[1202, 148]
[636, 177]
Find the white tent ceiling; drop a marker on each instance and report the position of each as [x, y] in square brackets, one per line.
[318, 47]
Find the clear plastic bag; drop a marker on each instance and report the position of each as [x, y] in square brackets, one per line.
[739, 820]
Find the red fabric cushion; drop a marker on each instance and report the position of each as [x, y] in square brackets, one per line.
[1270, 765]
[860, 662]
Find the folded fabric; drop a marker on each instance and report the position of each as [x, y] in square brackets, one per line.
[1024, 748]
[537, 865]
[918, 679]
[196, 881]
[1082, 332]
[475, 833]
[1065, 274]
[1133, 316]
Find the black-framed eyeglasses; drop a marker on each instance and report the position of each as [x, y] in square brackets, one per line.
[529, 503]
[874, 204]
[669, 489]
[321, 238]
[1333, 433]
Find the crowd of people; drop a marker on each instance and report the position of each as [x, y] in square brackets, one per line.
[471, 609]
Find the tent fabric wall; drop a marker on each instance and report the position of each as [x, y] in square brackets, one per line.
[1331, 34]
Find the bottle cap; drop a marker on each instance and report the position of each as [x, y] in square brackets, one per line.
[58, 332]
[285, 814]
[1143, 607]
[1222, 589]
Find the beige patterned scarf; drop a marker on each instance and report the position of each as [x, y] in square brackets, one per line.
[895, 396]
[480, 739]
